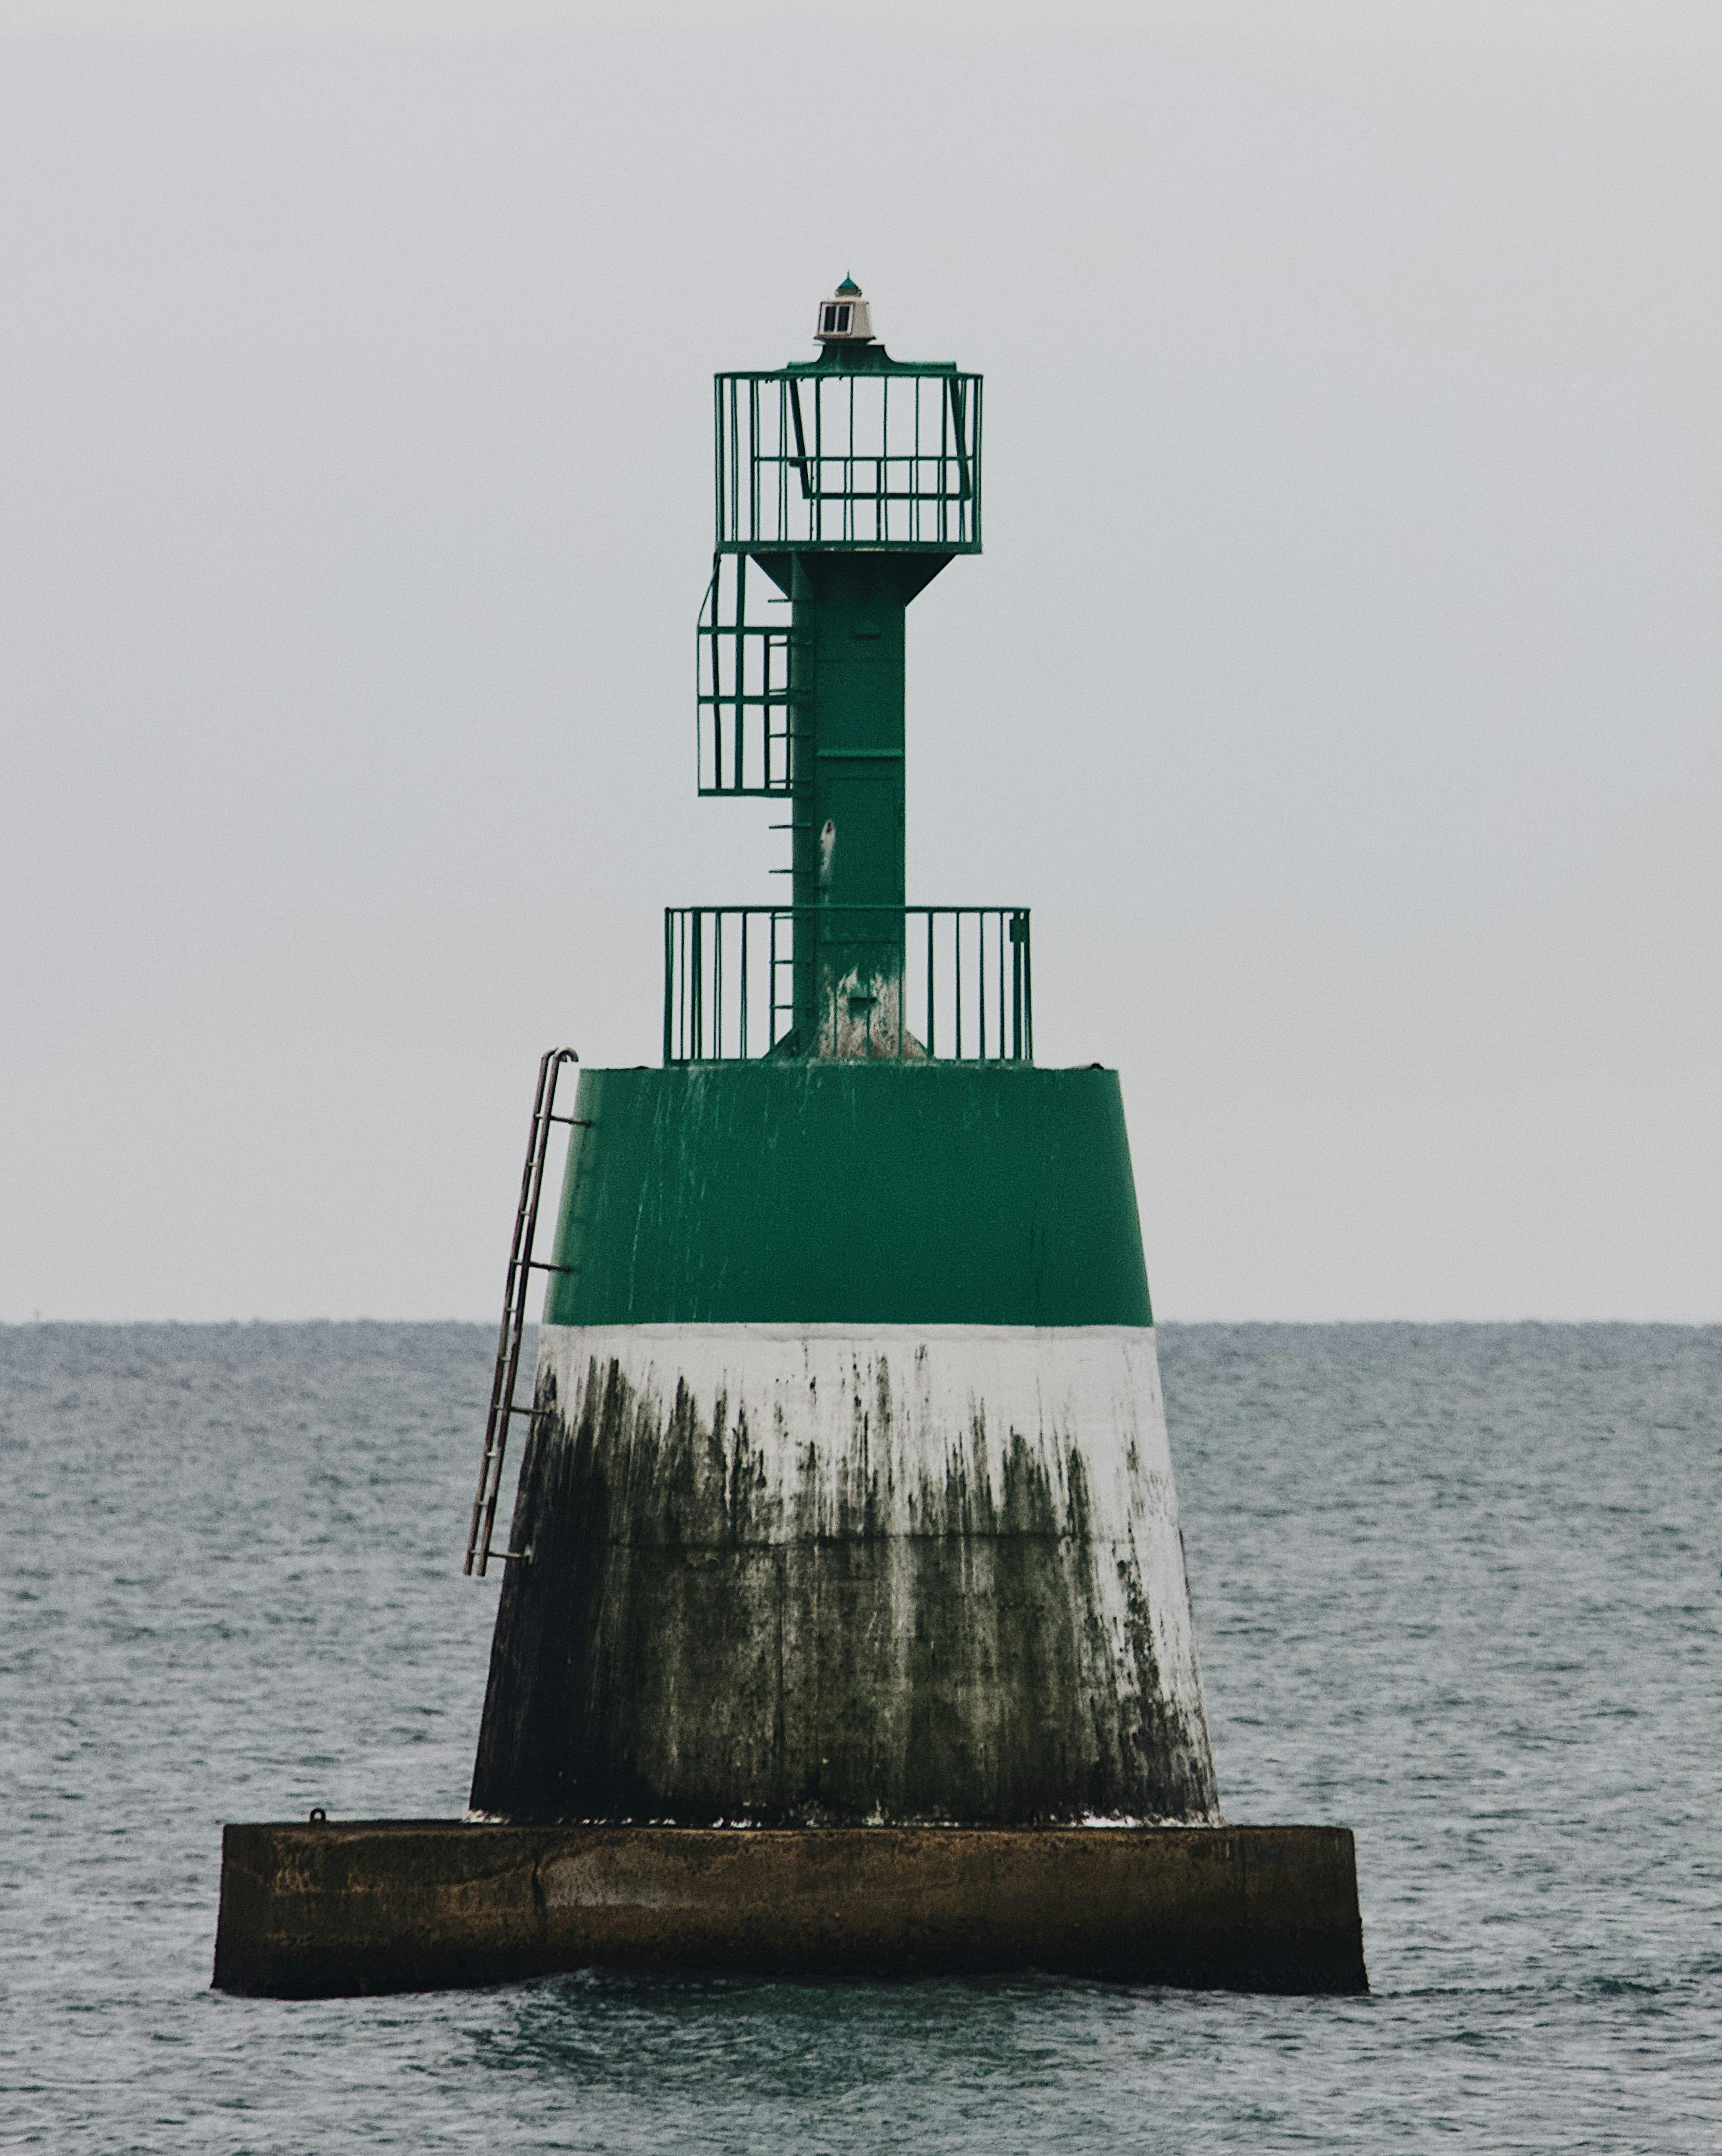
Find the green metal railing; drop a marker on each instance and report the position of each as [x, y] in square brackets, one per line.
[743, 693]
[949, 983]
[882, 456]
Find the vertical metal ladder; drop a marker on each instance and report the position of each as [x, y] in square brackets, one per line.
[522, 1266]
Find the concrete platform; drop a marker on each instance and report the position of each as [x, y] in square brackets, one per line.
[328, 1910]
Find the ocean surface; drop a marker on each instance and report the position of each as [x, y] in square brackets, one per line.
[1455, 1587]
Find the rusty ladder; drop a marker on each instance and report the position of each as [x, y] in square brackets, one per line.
[522, 1266]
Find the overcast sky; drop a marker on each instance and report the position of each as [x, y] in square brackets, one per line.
[1339, 685]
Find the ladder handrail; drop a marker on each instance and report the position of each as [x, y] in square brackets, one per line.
[522, 1266]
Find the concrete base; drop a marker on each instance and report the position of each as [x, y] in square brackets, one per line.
[324, 1911]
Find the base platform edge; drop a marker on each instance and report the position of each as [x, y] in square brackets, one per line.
[338, 1909]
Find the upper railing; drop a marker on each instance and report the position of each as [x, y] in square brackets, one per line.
[861, 456]
[860, 982]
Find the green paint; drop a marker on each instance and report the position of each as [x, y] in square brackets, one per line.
[851, 481]
[847, 672]
[849, 1193]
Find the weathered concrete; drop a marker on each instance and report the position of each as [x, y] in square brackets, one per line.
[822, 1576]
[325, 1911]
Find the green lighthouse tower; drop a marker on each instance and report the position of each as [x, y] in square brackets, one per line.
[845, 1495]
[846, 484]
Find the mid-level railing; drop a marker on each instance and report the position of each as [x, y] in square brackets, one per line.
[952, 983]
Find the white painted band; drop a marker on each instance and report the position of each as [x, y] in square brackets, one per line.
[824, 1424]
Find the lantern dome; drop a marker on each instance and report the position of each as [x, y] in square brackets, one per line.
[845, 318]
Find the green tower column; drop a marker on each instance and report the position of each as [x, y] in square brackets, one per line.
[847, 672]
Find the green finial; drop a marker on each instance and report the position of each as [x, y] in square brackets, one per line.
[849, 284]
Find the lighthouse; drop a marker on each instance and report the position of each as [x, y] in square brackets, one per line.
[843, 1625]
[846, 1497]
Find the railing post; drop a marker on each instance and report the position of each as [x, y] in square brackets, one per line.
[957, 976]
[718, 918]
[1016, 1049]
[745, 920]
[696, 985]
[1028, 993]
[668, 981]
[932, 994]
[999, 961]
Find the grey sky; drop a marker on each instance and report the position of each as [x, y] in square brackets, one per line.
[1339, 685]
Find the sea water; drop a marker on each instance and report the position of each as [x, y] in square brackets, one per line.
[1455, 1587]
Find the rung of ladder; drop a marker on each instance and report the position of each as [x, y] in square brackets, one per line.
[521, 1265]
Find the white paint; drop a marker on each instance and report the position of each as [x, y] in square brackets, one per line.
[823, 1410]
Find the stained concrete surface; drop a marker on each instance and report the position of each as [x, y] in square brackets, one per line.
[322, 1910]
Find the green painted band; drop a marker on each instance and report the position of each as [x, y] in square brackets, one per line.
[849, 1193]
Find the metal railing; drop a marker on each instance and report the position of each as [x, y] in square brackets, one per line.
[873, 459]
[949, 983]
[743, 695]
